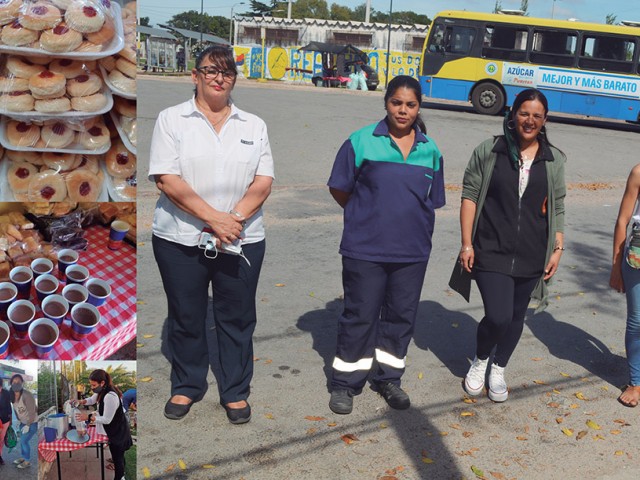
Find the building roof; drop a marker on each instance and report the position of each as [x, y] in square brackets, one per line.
[351, 24]
[155, 32]
[206, 37]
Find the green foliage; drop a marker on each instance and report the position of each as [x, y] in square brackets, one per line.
[259, 9]
[338, 12]
[310, 9]
[524, 6]
[610, 19]
[144, 21]
[498, 6]
[121, 377]
[46, 393]
[192, 20]
[130, 459]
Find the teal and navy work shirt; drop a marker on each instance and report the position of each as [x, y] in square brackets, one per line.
[390, 214]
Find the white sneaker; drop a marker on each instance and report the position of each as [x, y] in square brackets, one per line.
[498, 391]
[474, 381]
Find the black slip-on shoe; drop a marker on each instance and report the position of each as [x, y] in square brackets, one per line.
[341, 402]
[393, 395]
[238, 416]
[175, 411]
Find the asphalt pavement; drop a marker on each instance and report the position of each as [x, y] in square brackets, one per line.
[561, 421]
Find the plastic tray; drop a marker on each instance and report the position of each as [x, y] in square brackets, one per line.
[35, 115]
[73, 148]
[121, 132]
[117, 43]
[114, 89]
[6, 194]
[73, 436]
[113, 193]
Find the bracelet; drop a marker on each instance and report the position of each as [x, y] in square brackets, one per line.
[237, 214]
[466, 249]
[562, 249]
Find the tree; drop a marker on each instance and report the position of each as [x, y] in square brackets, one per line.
[402, 17]
[310, 9]
[121, 378]
[610, 19]
[338, 12]
[524, 6]
[144, 21]
[192, 20]
[498, 6]
[259, 9]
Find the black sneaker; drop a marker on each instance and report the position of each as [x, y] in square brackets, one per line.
[341, 402]
[393, 395]
[1, 460]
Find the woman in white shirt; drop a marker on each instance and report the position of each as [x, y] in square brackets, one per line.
[109, 417]
[212, 163]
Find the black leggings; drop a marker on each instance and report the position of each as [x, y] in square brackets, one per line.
[117, 455]
[505, 301]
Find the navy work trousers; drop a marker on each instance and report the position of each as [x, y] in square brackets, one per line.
[380, 306]
[186, 276]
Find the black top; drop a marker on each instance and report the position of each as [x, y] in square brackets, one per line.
[512, 232]
[5, 406]
[118, 429]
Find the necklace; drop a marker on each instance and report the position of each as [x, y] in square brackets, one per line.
[223, 117]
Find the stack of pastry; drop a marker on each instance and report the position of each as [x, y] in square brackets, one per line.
[54, 176]
[121, 68]
[20, 244]
[57, 26]
[91, 135]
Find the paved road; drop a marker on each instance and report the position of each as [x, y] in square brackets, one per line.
[575, 349]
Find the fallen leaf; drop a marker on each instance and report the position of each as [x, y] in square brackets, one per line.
[141, 244]
[498, 475]
[148, 335]
[536, 359]
[573, 405]
[539, 382]
[581, 434]
[479, 473]
[553, 404]
[279, 284]
[311, 294]
[314, 419]
[615, 432]
[182, 465]
[268, 361]
[565, 374]
[469, 400]
[207, 466]
[140, 302]
[146, 472]
[580, 396]
[557, 392]
[389, 477]
[592, 424]
[559, 420]
[618, 453]
[467, 434]
[383, 425]
[567, 431]
[467, 414]
[268, 416]
[170, 467]
[598, 437]
[349, 438]
[420, 375]
[146, 379]
[427, 460]
[457, 426]
[521, 438]
[311, 431]
[605, 388]
[620, 421]
[331, 424]
[139, 345]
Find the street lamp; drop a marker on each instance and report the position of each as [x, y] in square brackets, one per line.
[231, 22]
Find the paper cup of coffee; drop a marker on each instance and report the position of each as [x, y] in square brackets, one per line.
[8, 293]
[55, 307]
[99, 291]
[22, 278]
[46, 285]
[84, 319]
[44, 334]
[117, 232]
[41, 266]
[4, 340]
[75, 294]
[66, 257]
[20, 313]
[77, 274]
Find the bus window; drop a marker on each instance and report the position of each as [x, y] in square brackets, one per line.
[455, 39]
[553, 47]
[607, 53]
[505, 42]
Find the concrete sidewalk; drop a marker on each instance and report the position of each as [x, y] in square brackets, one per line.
[83, 464]
[9, 470]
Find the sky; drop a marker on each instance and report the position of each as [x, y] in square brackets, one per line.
[160, 11]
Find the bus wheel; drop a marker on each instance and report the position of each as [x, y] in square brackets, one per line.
[487, 99]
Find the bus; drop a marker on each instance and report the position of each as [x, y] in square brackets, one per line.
[487, 59]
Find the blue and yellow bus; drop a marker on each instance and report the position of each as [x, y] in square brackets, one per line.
[583, 68]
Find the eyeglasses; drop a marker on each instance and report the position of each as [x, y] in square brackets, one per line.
[212, 72]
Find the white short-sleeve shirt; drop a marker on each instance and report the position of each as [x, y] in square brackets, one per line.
[219, 167]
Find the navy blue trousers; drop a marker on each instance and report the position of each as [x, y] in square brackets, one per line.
[380, 306]
[505, 301]
[186, 276]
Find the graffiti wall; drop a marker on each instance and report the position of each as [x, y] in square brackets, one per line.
[291, 64]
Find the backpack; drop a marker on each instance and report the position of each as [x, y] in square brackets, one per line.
[10, 439]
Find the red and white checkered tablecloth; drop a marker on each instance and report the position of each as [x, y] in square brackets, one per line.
[118, 324]
[47, 450]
